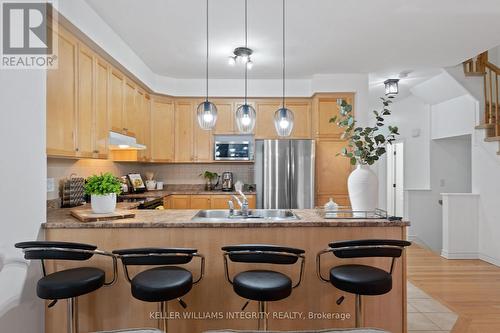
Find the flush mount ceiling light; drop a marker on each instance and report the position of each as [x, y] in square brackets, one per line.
[391, 87]
[283, 117]
[245, 114]
[207, 111]
[241, 55]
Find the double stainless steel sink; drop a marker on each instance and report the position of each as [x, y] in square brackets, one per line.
[253, 214]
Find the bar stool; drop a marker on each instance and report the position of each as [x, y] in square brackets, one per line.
[160, 284]
[362, 279]
[69, 283]
[262, 285]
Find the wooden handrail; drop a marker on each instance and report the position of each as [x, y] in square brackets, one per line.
[480, 65]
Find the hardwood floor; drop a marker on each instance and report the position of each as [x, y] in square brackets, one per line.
[470, 288]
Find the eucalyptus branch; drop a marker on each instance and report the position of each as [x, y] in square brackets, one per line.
[365, 144]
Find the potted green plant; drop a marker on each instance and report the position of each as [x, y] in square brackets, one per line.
[209, 178]
[365, 147]
[103, 189]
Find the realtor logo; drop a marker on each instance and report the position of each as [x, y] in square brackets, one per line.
[26, 38]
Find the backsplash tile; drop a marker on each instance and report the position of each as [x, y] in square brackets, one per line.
[60, 169]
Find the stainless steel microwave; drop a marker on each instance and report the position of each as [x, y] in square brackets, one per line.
[234, 148]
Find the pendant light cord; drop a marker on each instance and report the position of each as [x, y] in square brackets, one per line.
[206, 68]
[246, 45]
[283, 54]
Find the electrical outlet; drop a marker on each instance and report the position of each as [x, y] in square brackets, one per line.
[441, 182]
[51, 186]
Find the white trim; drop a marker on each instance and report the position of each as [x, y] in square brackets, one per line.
[459, 255]
[488, 259]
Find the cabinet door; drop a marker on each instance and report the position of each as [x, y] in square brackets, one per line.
[162, 131]
[264, 128]
[252, 201]
[200, 202]
[130, 114]
[85, 112]
[202, 140]
[184, 131]
[180, 202]
[326, 107]
[225, 117]
[302, 119]
[61, 99]
[219, 201]
[331, 171]
[101, 124]
[116, 99]
[141, 123]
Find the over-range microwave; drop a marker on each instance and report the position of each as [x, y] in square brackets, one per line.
[233, 148]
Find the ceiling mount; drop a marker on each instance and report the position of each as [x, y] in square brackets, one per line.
[242, 54]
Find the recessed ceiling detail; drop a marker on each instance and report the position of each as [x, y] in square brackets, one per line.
[327, 36]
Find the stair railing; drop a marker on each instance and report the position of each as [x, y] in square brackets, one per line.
[481, 66]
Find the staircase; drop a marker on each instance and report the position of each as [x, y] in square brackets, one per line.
[480, 66]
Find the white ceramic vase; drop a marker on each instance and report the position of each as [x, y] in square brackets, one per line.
[363, 188]
[103, 204]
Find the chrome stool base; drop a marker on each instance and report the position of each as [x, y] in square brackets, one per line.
[72, 315]
[262, 325]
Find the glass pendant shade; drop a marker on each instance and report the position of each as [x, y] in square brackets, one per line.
[245, 118]
[283, 121]
[207, 115]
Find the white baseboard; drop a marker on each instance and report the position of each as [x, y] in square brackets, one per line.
[488, 259]
[459, 255]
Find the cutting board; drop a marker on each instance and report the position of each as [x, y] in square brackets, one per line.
[86, 215]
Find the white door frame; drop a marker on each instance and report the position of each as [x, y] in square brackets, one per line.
[395, 178]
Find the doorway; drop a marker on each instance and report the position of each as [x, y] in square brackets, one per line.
[395, 179]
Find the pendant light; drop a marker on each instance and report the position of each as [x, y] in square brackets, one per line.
[283, 117]
[245, 114]
[207, 111]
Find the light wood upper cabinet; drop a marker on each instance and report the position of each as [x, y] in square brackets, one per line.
[101, 125]
[61, 98]
[162, 131]
[184, 131]
[203, 139]
[225, 117]
[326, 107]
[85, 97]
[116, 98]
[302, 119]
[130, 114]
[264, 128]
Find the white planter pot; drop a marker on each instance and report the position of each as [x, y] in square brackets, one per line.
[103, 204]
[363, 188]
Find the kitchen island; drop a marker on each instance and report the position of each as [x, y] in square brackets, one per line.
[212, 304]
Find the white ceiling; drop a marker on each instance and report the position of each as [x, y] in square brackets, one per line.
[323, 36]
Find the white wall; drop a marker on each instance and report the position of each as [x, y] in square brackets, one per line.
[454, 117]
[22, 195]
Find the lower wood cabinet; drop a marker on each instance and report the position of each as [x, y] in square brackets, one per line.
[204, 201]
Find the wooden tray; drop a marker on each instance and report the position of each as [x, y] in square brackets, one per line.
[86, 215]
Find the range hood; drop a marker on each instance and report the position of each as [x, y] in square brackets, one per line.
[121, 141]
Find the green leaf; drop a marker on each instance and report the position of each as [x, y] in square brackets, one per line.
[103, 184]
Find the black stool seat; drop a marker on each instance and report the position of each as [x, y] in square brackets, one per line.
[262, 285]
[361, 279]
[70, 283]
[162, 284]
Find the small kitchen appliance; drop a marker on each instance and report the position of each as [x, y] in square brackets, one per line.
[227, 181]
[233, 148]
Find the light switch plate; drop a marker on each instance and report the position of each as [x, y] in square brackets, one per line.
[51, 185]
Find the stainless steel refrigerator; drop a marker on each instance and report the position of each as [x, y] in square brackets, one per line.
[284, 174]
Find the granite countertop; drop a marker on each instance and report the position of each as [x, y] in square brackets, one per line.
[170, 218]
[187, 189]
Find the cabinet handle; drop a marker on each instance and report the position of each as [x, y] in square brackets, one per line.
[77, 149]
